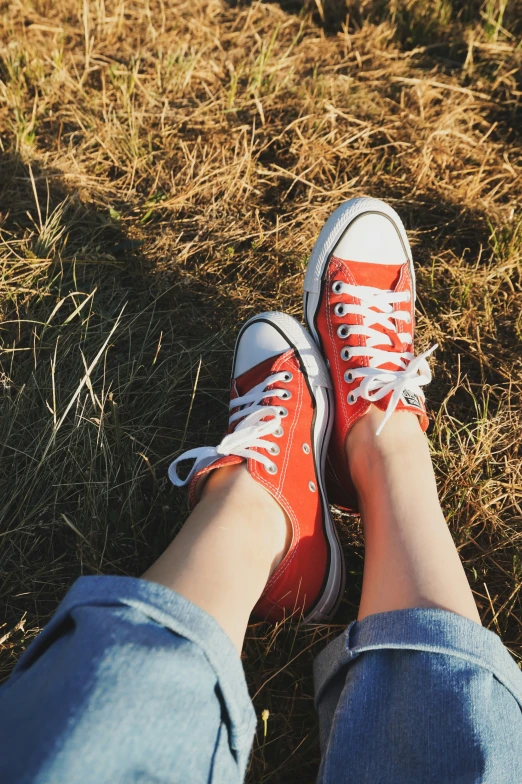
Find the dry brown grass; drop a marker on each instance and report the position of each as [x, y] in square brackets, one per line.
[165, 169]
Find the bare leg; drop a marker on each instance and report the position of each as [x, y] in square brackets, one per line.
[410, 560]
[226, 551]
[238, 534]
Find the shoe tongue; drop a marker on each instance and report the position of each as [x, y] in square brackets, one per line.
[256, 374]
[408, 401]
[381, 276]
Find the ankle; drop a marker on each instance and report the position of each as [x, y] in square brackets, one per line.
[269, 527]
[367, 453]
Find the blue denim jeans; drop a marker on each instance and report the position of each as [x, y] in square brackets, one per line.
[130, 682]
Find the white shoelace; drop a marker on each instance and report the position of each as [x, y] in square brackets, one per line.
[377, 308]
[257, 422]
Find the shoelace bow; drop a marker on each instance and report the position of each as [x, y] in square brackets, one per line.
[376, 307]
[257, 422]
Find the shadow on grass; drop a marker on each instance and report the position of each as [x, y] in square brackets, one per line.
[416, 23]
[99, 366]
[440, 34]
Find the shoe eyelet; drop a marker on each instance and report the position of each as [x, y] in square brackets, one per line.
[351, 399]
[343, 331]
[408, 292]
[288, 376]
[283, 412]
[274, 449]
[271, 468]
[312, 487]
[286, 395]
[337, 285]
[345, 354]
[408, 320]
[306, 449]
[279, 432]
[339, 309]
[348, 376]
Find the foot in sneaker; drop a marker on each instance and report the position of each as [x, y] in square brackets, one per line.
[359, 306]
[279, 426]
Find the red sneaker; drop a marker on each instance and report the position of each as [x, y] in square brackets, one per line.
[280, 424]
[359, 305]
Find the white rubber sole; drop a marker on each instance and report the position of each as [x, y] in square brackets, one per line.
[329, 237]
[320, 386]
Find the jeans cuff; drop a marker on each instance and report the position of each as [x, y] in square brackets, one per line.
[181, 616]
[421, 629]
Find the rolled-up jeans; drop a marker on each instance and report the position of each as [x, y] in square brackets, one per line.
[131, 682]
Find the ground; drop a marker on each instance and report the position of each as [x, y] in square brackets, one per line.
[166, 167]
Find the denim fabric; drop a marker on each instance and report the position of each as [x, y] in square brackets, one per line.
[130, 682]
[419, 696]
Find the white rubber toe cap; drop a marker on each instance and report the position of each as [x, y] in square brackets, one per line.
[259, 341]
[373, 238]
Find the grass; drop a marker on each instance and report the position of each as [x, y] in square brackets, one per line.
[165, 170]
